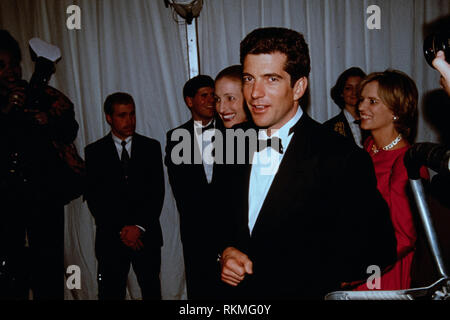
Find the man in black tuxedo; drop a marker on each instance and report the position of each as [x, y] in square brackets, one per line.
[125, 194]
[191, 173]
[297, 236]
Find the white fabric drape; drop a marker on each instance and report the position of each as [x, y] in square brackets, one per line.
[135, 46]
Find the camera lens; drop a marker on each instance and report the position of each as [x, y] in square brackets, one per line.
[434, 43]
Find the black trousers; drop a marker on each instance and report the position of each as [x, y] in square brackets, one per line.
[114, 260]
[39, 266]
[202, 273]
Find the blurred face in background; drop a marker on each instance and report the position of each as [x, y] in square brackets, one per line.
[350, 91]
[10, 70]
[122, 120]
[202, 105]
[230, 101]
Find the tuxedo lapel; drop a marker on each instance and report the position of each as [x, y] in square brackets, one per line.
[136, 154]
[196, 155]
[111, 155]
[293, 176]
[136, 148]
[347, 129]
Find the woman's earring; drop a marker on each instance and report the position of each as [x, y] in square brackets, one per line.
[395, 118]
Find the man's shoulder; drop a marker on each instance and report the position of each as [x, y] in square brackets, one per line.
[337, 118]
[187, 126]
[59, 99]
[150, 142]
[331, 142]
[182, 130]
[49, 90]
[98, 143]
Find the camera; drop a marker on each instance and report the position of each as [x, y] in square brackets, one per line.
[434, 43]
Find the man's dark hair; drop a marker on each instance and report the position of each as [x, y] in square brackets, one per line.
[286, 41]
[10, 45]
[192, 85]
[116, 98]
[336, 91]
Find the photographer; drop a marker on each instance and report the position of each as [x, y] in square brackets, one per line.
[441, 182]
[33, 120]
[443, 67]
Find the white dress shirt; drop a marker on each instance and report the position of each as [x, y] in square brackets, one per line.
[356, 130]
[265, 166]
[118, 144]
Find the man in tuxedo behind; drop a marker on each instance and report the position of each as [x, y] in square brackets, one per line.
[125, 194]
[191, 174]
[298, 234]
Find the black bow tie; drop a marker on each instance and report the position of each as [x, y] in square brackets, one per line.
[208, 127]
[274, 143]
[358, 122]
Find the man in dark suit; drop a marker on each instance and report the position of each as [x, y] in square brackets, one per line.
[191, 169]
[297, 236]
[125, 194]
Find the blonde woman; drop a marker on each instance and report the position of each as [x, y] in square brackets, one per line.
[388, 108]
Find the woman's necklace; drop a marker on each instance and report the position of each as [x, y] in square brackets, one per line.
[389, 146]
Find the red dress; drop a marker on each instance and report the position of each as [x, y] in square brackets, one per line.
[392, 182]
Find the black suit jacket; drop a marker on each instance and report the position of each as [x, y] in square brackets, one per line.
[198, 212]
[113, 202]
[323, 221]
[193, 194]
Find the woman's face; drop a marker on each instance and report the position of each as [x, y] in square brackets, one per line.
[375, 115]
[230, 101]
[350, 93]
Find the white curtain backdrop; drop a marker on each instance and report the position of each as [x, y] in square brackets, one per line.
[136, 46]
[337, 36]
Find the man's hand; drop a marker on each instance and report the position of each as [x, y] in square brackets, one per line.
[16, 97]
[235, 264]
[443, 67]
[130, 236]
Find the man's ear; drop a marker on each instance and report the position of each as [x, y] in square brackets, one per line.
[108, 119]
[189, 102]
[300, 88]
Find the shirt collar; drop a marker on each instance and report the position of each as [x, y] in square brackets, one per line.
[198, 124]
[348, 116]
[118, 140]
